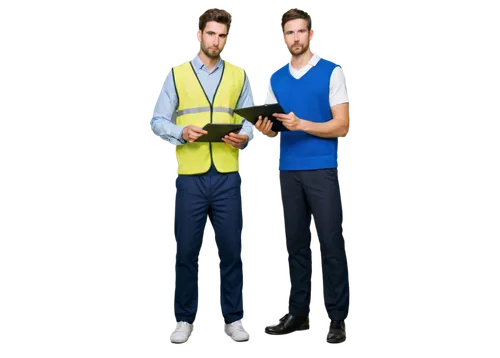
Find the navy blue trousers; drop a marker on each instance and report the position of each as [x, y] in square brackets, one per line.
[217, 196]
[316, 193]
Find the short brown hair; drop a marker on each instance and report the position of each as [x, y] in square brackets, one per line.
[220, 16]
[294, 14]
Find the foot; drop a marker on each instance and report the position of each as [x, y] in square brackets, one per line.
[236, 331]
[181, 333]
[337, 332]
[289, 324]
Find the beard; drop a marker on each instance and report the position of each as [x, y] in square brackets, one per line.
[209, 53]
[299, 51]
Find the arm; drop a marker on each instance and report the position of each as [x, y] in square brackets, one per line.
[336, 127]
[264, 125]
[247, 99]
[163, 122]
[339, 104]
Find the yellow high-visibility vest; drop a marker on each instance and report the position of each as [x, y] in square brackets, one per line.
[195, 108]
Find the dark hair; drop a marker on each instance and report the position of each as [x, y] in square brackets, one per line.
[293, 14]
[220, 16]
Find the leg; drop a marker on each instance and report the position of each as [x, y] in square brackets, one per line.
[191, 207]
[298, 242]
[226, 217]
[323, 193]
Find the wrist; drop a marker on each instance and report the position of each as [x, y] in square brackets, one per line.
[303, 125]
[272, 134]
[184, 133]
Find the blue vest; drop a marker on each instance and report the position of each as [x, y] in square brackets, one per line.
[308, 98]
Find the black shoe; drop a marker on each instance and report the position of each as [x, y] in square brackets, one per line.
[337, 332]
[289, 324]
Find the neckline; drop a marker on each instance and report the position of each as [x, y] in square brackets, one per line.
[309, 71]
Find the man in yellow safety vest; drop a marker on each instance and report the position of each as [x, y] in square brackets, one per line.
[206, 90]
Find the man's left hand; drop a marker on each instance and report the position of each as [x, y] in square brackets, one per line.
[290, 120]
[237, 141]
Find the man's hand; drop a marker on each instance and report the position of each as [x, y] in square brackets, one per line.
[264, 126]
[191, 133]
[291, 121]
[237, 141]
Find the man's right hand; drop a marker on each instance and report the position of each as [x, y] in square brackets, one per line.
[264, 126]
[191, 133]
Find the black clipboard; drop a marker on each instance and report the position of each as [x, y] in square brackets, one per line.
[252, 114]
[216, 131]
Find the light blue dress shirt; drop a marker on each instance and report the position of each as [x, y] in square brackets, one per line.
[163, 123]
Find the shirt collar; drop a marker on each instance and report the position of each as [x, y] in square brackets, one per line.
[199, 65]
[312, 62]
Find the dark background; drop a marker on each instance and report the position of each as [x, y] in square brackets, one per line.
[265, 264]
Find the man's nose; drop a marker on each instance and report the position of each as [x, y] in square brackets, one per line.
[296, 37]
[215, 42]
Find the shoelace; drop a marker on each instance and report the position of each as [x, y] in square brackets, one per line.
[181, 326]
[238, 325]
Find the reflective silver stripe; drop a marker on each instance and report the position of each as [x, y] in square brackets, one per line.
[193, 110]
[225, 110]
[204, 109]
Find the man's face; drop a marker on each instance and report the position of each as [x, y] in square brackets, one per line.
[213, 39]
[297, 36]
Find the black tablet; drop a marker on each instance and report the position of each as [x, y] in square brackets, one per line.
[216, 131]
[252, 114]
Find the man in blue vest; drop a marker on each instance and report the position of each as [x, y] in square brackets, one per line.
[313, 93]
[206, 90]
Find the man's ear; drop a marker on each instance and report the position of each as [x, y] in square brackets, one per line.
[311, 34]
[197, 35]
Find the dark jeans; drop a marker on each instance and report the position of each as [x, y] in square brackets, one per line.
[217, 196]
[315, 192]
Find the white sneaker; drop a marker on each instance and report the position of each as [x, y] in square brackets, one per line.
[181, 333]
[236, 331]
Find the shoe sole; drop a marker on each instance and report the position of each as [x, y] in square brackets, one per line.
[180, 343]
[339, 341]
[241, 342]
[301, 330]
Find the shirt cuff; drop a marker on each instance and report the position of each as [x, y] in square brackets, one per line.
[177, 133]
[247, 131]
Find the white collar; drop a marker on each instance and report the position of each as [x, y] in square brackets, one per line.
[312, 62]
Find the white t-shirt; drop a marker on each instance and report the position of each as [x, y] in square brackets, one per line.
[338, 90]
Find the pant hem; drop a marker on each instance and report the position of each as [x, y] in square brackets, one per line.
[184, 319]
